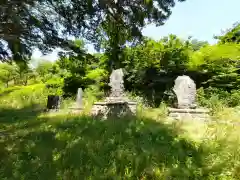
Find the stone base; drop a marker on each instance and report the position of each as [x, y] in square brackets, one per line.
[114, 109]
[75, 109]
[183, 114]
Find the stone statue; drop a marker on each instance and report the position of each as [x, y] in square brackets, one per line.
[116, 104]
[117, 83]
[185, 90]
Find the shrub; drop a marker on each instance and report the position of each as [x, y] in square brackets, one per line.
[54, 86]
[23, 96]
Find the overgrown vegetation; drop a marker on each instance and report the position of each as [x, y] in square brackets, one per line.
[61, 146]
[39, 145]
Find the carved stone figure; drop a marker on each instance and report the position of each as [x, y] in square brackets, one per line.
[185, 90]
[117, 104]
[117, 83]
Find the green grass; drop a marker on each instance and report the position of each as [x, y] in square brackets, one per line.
[35, 145]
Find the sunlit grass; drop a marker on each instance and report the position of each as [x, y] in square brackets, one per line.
[38, 145]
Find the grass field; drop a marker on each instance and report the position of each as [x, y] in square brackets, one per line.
[36, 145]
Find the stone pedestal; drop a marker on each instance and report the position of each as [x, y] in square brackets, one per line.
[114, 109]
[193, 114]
[117, 104]
[76, 109]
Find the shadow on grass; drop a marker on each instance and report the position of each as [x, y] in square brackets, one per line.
[81, 148]
[9, 90]
[12, 119]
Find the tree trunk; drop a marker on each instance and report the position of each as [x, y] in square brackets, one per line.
[53, 102]
[26, 81]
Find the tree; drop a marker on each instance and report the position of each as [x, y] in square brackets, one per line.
[152, 66]
[45, 24]
[221, 63]
[75, 64]
[124, 21]
[232, 35]
[196, 44]
[8, 73]
[44, 70]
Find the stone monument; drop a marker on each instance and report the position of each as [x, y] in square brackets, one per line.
[78, 105]
[117, 104]
[185, 91]
[79, 101]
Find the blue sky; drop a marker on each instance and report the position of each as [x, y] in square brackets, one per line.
[198, 18]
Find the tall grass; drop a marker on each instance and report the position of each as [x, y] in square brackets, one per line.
[36, 145]
[19, 97]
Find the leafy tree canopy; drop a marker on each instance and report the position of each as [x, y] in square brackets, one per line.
[46, 24]
[232, 35]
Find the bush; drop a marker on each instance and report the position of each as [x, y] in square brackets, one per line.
[23, 96]
[217, 99]
[72, 83]
[54, 86]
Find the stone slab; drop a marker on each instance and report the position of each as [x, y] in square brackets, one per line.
[180, 114]
[115, 102]
[107, 110]
[197, 110]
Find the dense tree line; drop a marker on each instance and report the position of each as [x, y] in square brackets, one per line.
[150, 66]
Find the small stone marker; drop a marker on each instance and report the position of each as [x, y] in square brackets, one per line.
[78, 105]
[79, 100]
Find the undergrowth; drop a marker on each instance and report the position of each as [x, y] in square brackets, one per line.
[37, 145]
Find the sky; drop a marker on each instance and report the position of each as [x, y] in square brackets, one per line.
[201, 19]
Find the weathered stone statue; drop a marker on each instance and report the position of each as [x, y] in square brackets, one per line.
[116, 83]
[117, 86]
[117, 104]
[185, 91]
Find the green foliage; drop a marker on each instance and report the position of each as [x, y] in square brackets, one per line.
[45, 69]
[32, 96]
[7, 73]
[221, 63]
[215, 98]
[139, 148]
[46, 24]
[152, 66]
[123, 23]
[231, 35]
[54, 86]
[16, 74]
[197, 45]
